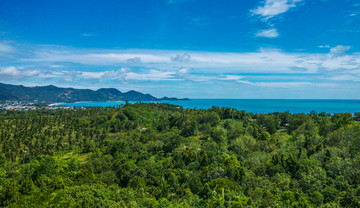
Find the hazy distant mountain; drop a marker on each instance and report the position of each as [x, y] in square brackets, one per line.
[57, 94]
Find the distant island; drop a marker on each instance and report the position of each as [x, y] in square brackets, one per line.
[53, 94]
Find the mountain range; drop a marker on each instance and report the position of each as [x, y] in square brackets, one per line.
[52, 94]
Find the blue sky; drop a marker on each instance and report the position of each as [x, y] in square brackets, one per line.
[185, 48]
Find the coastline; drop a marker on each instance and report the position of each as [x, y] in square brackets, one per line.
[57, 104]
[249, 105]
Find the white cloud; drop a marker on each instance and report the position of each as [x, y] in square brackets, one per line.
[261, 70]
[285, 84]
[92, 75]
[201, 78]
[97, 58]
[231, 77]
[56, 66]
[6, 48]
[269, 68]
[118, 74]
[152, 75]
[183, 72]
[262, 61]
[272, 8]
[345, 77]
[13, 72]
[68, 76]
[182, 58]
[135, 60]
[271, 33]
[339, 50]
[324, 46]
[121, 74]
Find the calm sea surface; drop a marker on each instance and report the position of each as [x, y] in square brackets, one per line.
[254, 105]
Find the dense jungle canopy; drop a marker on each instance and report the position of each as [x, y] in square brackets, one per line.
[160, 155]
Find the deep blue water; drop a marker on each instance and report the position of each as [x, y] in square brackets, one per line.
[255, 105]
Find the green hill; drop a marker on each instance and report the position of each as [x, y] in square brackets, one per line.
[57, 94]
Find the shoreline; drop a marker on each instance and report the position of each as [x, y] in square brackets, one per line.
[248, 105]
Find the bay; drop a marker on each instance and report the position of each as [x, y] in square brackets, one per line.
[252, 105]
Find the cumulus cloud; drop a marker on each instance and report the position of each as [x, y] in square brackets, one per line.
[271, 33]
[68, 76]
[135, 60]
[339, 50]
[13, 72]
[94, 75]
[272, 8]
[119, 75]
[182, 58]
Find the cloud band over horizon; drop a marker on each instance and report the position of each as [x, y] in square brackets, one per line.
[141, 69]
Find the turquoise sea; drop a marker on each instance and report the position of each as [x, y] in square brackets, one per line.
[254, 105]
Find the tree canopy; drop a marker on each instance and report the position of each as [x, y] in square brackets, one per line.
[158, 155]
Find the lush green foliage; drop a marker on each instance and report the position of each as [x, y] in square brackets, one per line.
[156, 155]
[52, 94]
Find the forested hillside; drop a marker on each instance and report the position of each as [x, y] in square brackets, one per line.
[51, 94]
[159, 155]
